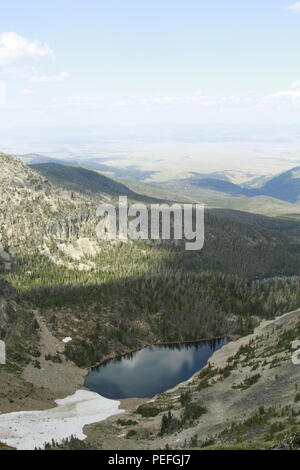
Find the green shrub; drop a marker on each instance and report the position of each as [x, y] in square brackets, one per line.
[193, 411]
[147, 411]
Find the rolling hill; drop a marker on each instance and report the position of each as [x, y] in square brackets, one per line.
[285, 186]
[89, 182]
[80, 179]
[279, 195]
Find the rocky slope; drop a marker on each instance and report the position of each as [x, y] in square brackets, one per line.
[36, 370]
[35, 214]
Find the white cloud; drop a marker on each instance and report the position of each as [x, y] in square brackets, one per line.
[26, 92]
[296, 85]
[295, 7]
[286, 95]
[197, 98]
[61, 77]
[87, 101]
[291, 96]
[33, 74]
[14, 47]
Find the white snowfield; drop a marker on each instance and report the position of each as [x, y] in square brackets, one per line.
[27, 430]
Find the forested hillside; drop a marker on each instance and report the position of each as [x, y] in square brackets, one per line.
[123, 315]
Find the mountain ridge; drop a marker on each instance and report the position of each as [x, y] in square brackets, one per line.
[285, 186]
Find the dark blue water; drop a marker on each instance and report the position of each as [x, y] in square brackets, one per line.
[152, 370]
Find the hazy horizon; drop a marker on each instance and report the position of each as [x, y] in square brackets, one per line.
[172, 150]
[177, 85]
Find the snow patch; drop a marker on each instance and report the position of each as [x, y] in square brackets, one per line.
[27, 430]
[67, 339]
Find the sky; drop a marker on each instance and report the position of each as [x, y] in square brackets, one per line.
[135, 62]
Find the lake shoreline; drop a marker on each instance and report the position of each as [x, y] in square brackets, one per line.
[167, 363]
[147, 345]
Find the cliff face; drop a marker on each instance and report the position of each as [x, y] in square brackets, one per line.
[36, 215]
